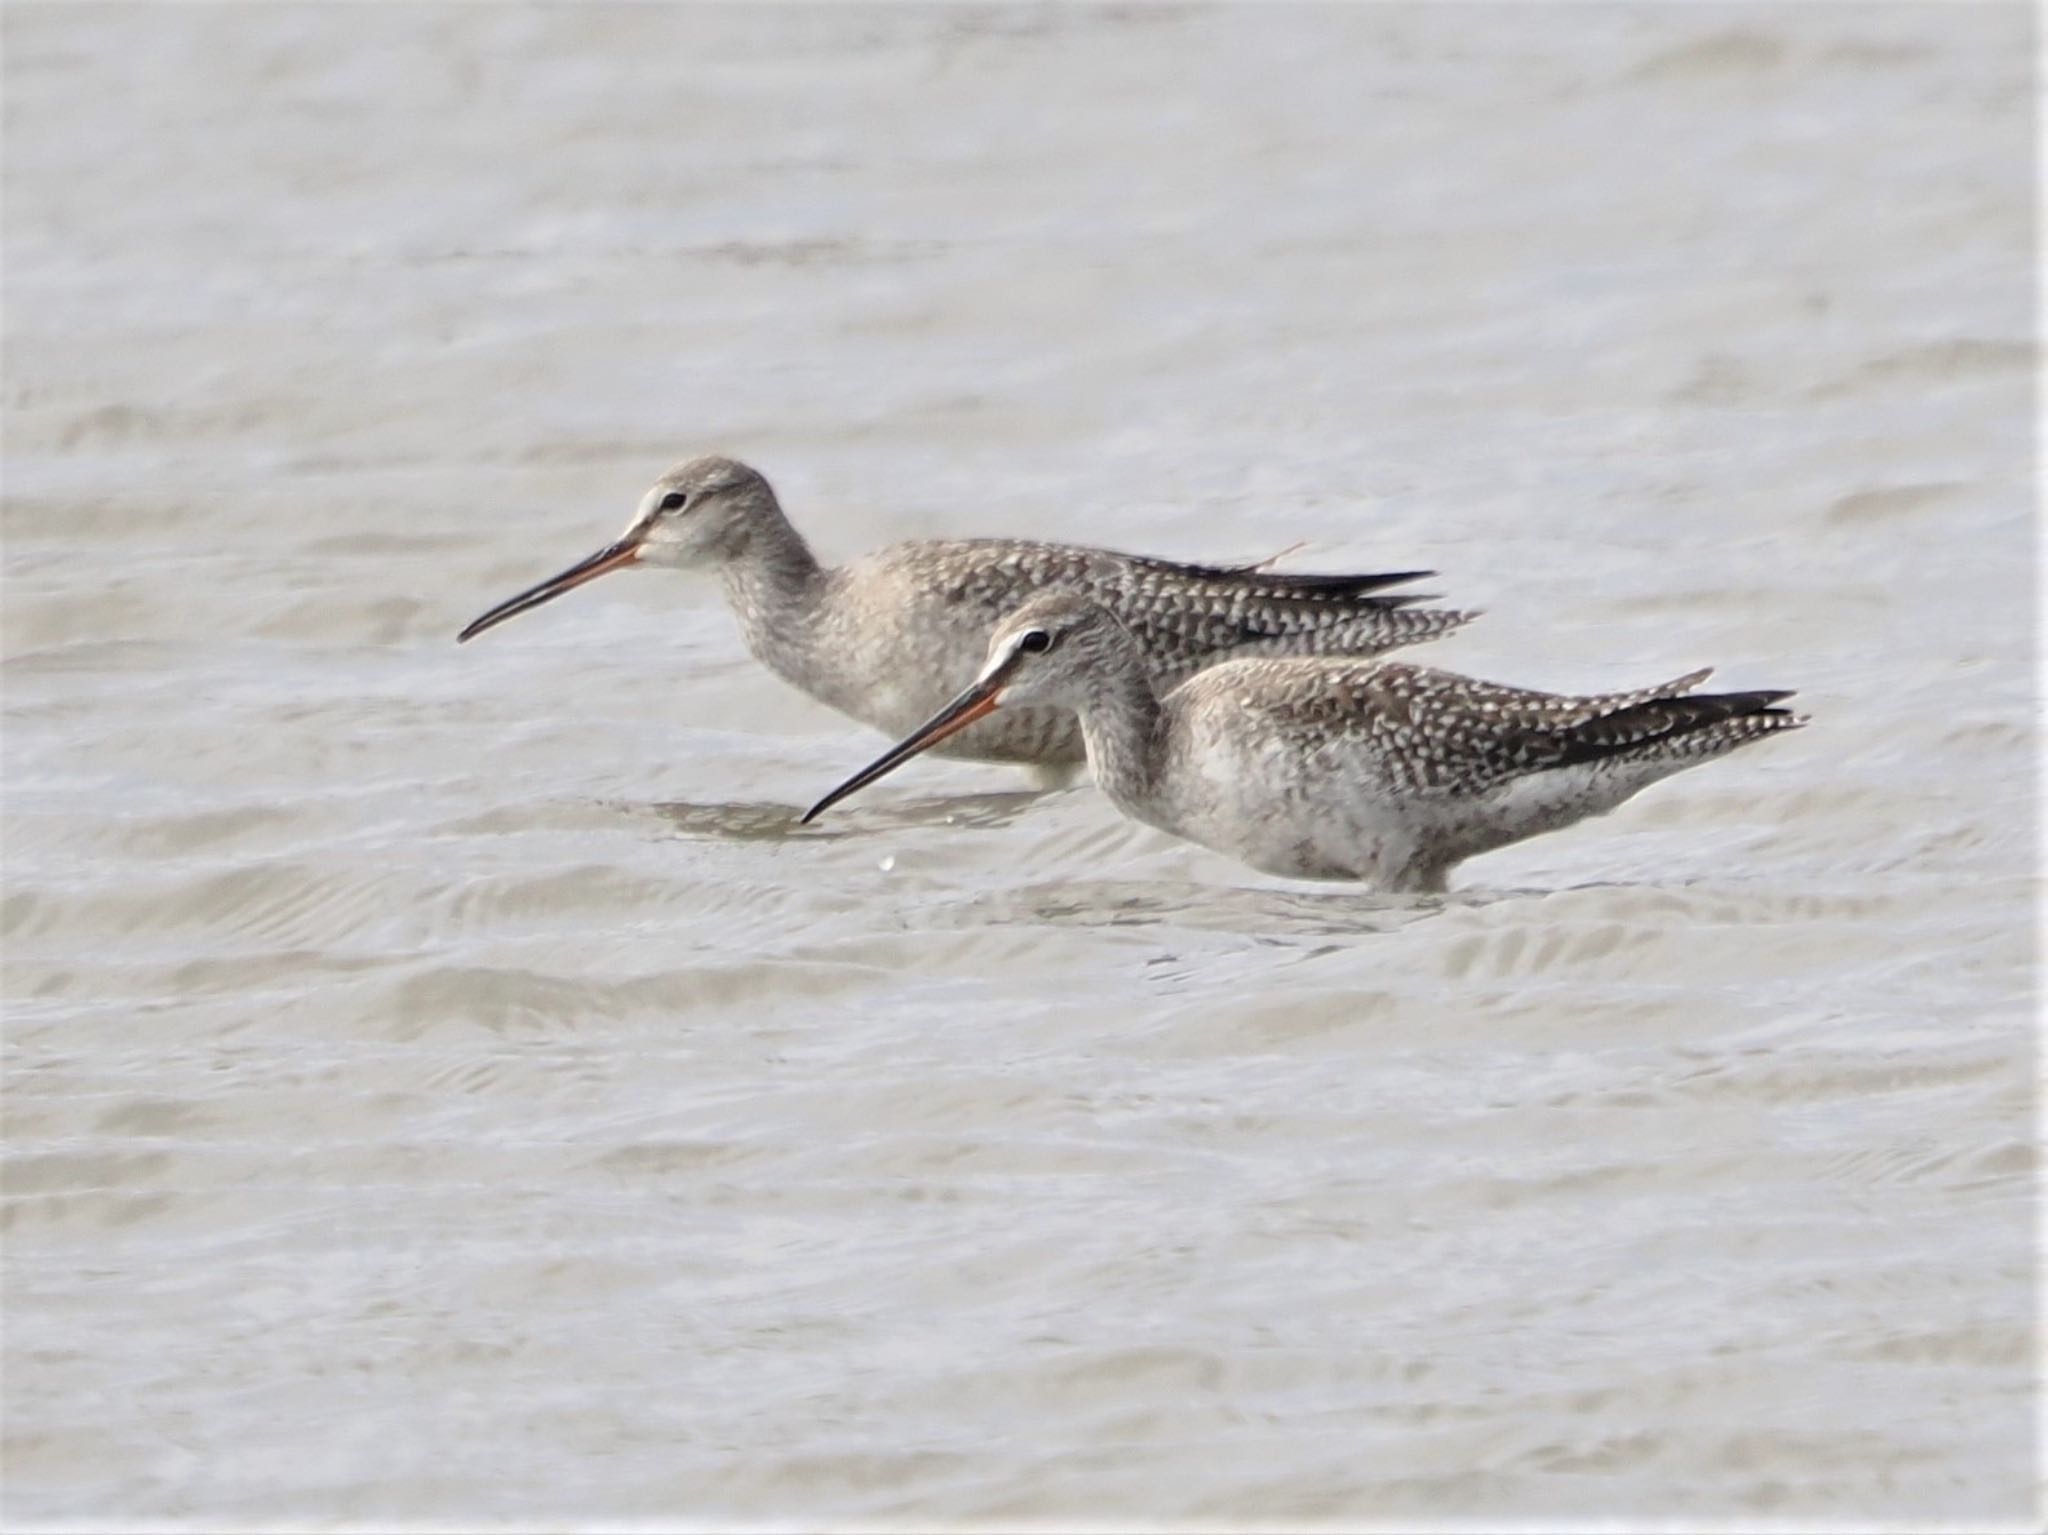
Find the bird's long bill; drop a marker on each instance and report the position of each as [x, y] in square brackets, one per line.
[978, 700]
[610, 557]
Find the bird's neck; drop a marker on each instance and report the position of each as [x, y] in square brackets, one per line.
[1124, 726]
[774, 584]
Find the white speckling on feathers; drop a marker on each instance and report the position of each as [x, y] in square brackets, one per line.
[1334, 768]
[891, 636]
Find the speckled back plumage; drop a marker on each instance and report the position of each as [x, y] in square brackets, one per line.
[1432, 731]
[889, 637]
[1395, 773]
[1186, 616]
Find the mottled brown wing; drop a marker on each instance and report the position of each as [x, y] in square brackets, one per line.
[1430, 730]
[1188, 616]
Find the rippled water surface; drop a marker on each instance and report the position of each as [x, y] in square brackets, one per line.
[444, 1085]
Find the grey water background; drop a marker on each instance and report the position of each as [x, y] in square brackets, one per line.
[440, 1086]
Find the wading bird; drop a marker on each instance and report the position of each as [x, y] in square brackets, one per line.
[1331, 768]
[889, 637]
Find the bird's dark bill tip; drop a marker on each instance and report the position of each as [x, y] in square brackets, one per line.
[978, 700]
[611, 557]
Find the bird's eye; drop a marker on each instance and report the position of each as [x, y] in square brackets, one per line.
[1035, 641]
[675, 501]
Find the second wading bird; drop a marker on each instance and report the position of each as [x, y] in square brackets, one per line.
[1326, 768]
[890, 637]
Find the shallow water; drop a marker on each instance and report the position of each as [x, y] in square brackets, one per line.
[443, 1085]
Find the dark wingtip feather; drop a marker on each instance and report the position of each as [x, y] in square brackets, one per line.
[1734, 705]
[1318, 581]
[1287, 582]
[1665, 719]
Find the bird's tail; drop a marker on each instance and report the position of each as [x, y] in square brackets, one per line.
[1678, 727]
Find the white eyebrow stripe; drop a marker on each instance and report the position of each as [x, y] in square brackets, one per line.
[1002, 659]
